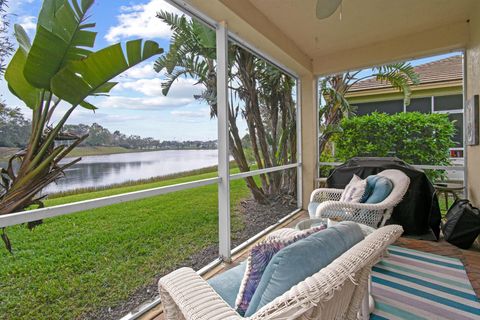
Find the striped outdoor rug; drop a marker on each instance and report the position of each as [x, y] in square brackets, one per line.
[410, 284]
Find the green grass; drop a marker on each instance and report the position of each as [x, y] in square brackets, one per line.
[93, 151]
[75, 264]
[6, 153]
[441, 202]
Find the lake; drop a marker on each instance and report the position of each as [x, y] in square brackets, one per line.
[104, 170]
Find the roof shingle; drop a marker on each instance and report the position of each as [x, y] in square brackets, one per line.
[440, 71]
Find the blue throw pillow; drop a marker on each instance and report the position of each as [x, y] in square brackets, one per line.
[228, 283]
[371, 180]
[379, 187]
[302, 259]
[258, 260]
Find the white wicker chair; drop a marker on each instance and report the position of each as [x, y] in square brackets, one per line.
[335, 292]
[373, 215]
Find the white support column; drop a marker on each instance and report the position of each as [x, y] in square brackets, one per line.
[309, 134]
[223, 144]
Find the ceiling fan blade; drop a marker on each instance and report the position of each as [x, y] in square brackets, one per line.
[325, 8]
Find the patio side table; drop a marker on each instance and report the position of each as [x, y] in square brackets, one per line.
[449, 188]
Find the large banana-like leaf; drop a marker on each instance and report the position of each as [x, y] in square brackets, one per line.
[17, 83]
[61, 37]
[91, 76]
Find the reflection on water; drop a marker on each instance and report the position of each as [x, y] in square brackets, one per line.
[104, 170]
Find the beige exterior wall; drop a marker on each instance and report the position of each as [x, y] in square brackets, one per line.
[473, 87]
[386, 95]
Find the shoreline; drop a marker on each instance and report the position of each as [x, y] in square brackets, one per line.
[7, 152]
[107, 152]
[129, 183]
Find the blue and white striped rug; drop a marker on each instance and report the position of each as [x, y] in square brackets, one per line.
[410, 284]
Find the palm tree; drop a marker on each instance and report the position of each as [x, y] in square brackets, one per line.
[6, 46]
[261, 88]
[58, 66]
[334, 106]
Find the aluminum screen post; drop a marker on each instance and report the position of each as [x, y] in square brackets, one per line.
[223, 144]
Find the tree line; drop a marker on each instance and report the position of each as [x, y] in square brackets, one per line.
[15, 132]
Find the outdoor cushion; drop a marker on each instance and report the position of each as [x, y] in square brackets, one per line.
[302, 259]
[227, 284]
[354, 190]
[312, 208]
[378, 189]
[258, 259]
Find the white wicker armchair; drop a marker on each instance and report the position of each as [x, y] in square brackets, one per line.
[335, 292]
[373, 215]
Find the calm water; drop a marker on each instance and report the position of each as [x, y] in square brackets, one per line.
[104, 170]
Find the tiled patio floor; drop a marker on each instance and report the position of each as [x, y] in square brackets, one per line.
[470, 258]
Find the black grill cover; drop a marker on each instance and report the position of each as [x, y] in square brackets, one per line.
[418, 213]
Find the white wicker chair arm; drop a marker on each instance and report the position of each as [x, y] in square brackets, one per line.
[325, 194]
[368, 214]
[351, 205]
[186, 295]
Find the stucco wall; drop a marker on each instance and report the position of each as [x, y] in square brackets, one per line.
[473, 87]
[309, 136]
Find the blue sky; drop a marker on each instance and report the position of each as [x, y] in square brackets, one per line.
[136, 105]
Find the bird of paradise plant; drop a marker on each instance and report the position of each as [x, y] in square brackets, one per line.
[59, 65]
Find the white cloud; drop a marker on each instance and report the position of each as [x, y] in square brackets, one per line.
[29, 23]
[87, 117]
[182, 88]
[141, 71]
[15, 6]
[202, 113]
[150, 103]
[141, 21]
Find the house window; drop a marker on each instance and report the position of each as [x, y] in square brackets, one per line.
[390, 107]
[453, 105]
[422, 105]
[445, 103]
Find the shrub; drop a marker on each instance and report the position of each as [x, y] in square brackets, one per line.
[414, 137]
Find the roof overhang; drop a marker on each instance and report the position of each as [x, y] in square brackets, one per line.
[418, 91]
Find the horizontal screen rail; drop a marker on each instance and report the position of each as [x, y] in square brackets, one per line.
[262, 171]
[38, 214]
[418, 166]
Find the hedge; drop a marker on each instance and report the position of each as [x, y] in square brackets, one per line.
[414, 137]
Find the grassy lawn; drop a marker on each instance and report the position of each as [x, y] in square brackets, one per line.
[5, 153]
[93, 151]
[82, 262]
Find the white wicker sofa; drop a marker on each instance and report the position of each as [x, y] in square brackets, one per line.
[370, 214]
[335, 292]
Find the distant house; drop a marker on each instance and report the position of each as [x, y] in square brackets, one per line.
[440, 90]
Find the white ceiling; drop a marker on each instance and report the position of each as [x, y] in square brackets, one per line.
[363, 22]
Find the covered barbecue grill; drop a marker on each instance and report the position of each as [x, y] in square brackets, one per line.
[418, 212]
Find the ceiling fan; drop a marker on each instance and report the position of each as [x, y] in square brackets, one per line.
[325, 8]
